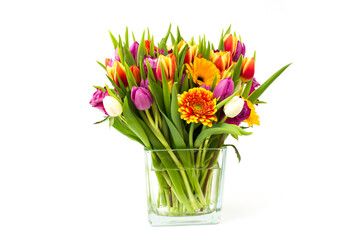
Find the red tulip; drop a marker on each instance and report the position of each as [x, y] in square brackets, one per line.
[247, 69]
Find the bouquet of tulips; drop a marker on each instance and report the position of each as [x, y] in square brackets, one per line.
[186, 95]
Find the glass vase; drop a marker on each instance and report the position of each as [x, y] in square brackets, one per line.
[185, 186]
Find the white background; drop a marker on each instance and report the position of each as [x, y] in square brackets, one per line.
[61, 177]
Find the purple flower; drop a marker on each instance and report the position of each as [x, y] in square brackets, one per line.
[182, 79]
[254, 85]
[206, 87]
[144, 84]
[244, 114]
[240, 50]
[117, 57]
[141, 98]
[153, 64]
[224, 89]
[134, 50]
[97, 100]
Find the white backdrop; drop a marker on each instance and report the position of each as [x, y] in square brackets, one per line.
[61, 177]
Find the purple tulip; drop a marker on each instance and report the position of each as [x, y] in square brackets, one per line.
[224, 89]
[134, 50]
[117, 57]
[97, 100]
[254, 85]
[244, 114]
[240, 50]
[141, 98]
[144, 84]
[206, 87]
[182, 79]
[153, 64]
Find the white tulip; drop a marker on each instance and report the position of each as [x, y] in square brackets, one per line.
[234, 107]
[112, 106]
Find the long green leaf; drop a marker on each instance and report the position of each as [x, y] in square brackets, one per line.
[134, 124]
[246, 91]
[122, 128]
[237, 71]
[113, 39]
[257, 93]
[235, 149]
[157, 93]
[219, 129]
[102, 65]
[166, 91]
[175, 115]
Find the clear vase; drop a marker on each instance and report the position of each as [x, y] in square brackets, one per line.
[185, 186]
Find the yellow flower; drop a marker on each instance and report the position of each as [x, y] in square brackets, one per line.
[203, 72]
[254, 117]
[198, 105]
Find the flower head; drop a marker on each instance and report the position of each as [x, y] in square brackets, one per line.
[134, 50]
[198, 105]
[141, 98]
[247, 69]
[222, 60]
[230, 43]
[136, 72]
[203, 72]
[234, 106]
[169, 64]
[112, 106]
[115, 70]
[224, 89]
[240, 50]
[97, 100]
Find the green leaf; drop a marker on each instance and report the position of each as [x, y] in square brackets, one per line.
[142, 70]
[207, 52]
[127, 37]
[236, 151]
[178, 37]
[221, 43]
[129, 59]
[157, 93]
[123, 128]
[121, 51]
[106, 118]
[133, 123]
[219, 129]
[120, 91]
[133, 36]
[185, 84]
[111, 122]
[102, 65]
[260, 102]
[130, 77]
[113, 39]
[141, 49]
[246, 91]
[237, 71]
[175, 115]
[166, 91]
[228, 30]
[152, 48]
[214, 83]
[257, 93]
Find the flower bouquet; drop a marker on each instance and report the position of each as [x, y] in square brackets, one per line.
[181, 102]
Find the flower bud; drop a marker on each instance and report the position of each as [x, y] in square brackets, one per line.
[247, 69]
[141, 98]
[115, 70]
[134, 50]
[230, 43]
[240, 50]
[112, 106]
[169, 64]
[222, 60]
[224, 89]
[97, 100]
[136, 72]
[234, 107]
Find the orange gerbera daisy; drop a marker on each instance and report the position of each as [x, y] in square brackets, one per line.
[198, 105]
[203, 72]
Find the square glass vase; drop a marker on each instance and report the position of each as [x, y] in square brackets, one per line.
[185, 186]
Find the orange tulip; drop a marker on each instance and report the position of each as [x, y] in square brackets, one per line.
[230, 43]
[247, 69]
[169, 64]
[115, 68]
[190, 53]
[136, 72]
[222, 60]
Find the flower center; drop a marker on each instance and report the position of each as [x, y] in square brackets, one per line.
[198, 106]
